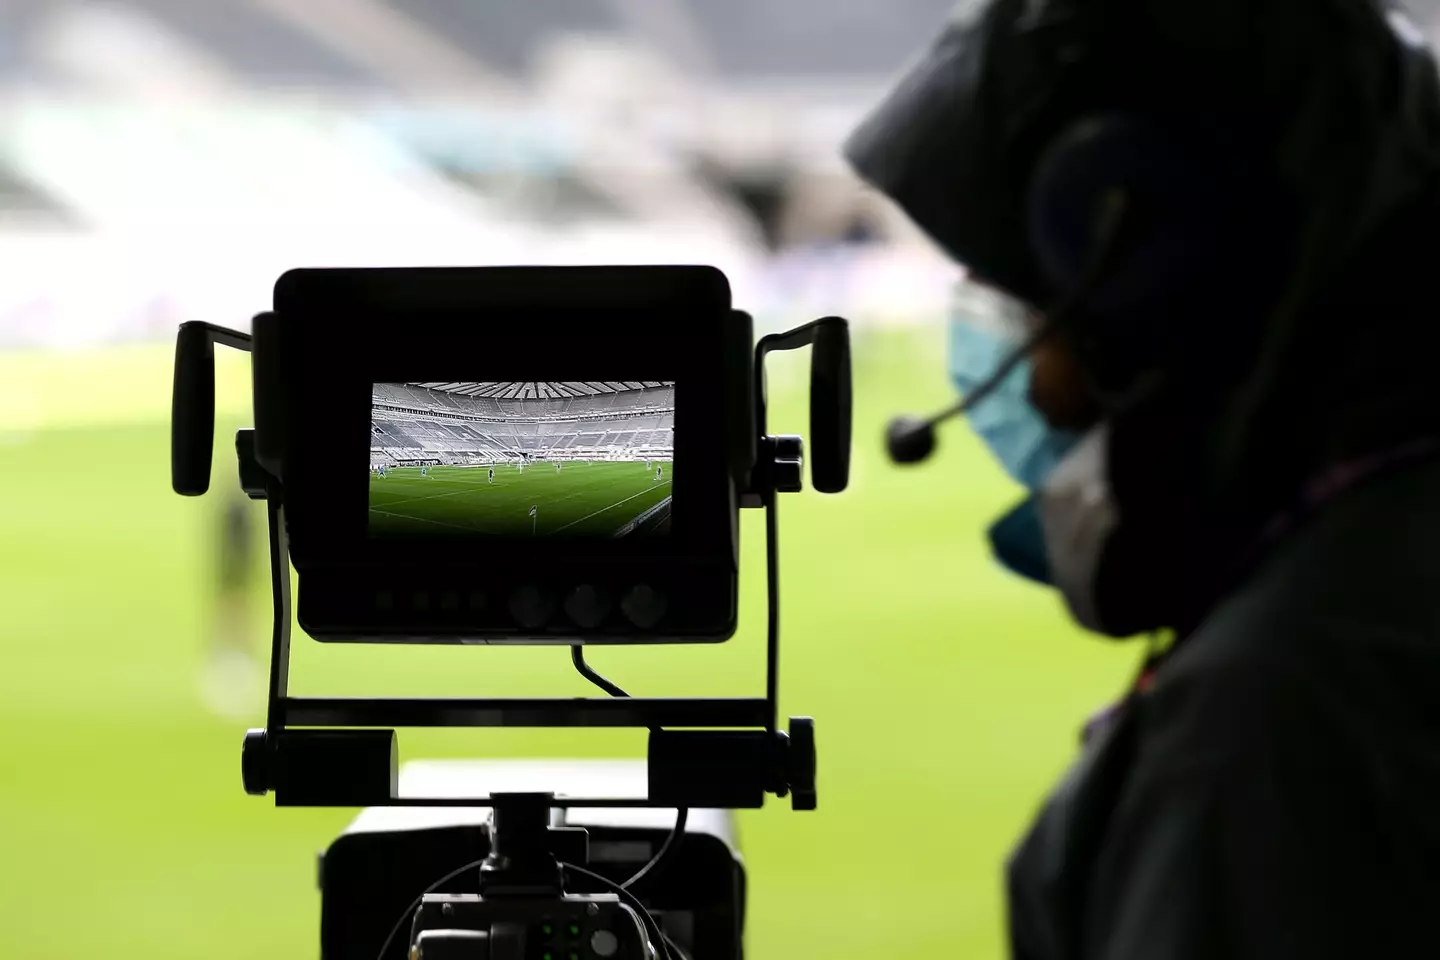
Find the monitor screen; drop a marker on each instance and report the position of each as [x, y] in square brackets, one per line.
[511, 460]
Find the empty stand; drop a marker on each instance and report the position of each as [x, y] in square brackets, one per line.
[480, 423]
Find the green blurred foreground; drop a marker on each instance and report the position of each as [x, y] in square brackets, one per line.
[947, 694]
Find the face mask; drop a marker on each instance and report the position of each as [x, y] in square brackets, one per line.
[1078, 519]
[984, 331]
[1018, 541]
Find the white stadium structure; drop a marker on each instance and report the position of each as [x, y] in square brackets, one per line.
[179, 155]
[518, 422]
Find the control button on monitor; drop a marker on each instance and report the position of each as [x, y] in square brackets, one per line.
[644, 606]
[531, 606]
[587, 605]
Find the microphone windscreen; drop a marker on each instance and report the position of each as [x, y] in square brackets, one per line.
[909, 439]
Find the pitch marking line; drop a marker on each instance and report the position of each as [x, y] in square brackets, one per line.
[466, 485]
[441, 523]
[611, 507]
[593, 483]
[585, 486]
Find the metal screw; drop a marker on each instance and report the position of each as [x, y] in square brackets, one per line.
[447, 909]
[593, 909]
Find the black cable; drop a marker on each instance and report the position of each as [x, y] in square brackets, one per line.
[673, 947]
[1017, 356]
[772, 604]
[1114, 237]
[652, 926]
[577, 657]
[682, 814]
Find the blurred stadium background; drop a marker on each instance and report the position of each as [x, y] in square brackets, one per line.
[165, 160]
[180, 153]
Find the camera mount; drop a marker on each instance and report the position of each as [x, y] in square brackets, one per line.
[725, 753]
[522, 908]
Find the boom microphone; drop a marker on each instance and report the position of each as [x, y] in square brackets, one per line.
[911, 439]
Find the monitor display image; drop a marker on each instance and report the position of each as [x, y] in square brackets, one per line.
[511, 460]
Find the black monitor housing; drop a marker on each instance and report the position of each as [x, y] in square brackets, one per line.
[334, 334]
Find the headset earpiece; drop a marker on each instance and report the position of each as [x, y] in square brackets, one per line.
[1205, 239]
[1179, 189]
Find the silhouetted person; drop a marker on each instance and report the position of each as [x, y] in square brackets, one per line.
[1221, 217]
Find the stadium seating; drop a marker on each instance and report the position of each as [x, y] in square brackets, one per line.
[411, 422]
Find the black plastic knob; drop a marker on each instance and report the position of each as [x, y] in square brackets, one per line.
[587, 606]
[789, 447]
[787, 454]
[644, 606]
[532, 606]
[789, 476]
[255, 766]
[802, 763]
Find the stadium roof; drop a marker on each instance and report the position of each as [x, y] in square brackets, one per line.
[361, 46]
[534, 390]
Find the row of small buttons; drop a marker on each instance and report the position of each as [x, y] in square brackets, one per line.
[557, 943]
[534, 607]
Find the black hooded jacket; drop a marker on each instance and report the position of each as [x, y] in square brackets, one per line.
[1274, 791]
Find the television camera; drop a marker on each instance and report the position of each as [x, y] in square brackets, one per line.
[515, 511]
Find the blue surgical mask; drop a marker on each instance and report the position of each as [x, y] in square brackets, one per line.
[985, 330]
[1018, 541]
[1026, 446]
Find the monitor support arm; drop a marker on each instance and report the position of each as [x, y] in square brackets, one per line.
[703, 752]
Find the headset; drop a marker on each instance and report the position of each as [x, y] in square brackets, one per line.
[1161, 238]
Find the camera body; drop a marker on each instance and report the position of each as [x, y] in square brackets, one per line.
[371, 872]
[351, 457]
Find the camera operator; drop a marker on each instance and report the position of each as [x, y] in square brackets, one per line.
[1211, 227]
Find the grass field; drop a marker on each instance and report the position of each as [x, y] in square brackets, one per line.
[581, 500]
[947, 695]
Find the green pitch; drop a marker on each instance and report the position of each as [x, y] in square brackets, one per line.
[581, 499]
[947, 695]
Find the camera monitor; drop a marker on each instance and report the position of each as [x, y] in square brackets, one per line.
[403, 504]
[509, 460]
[534, 507]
